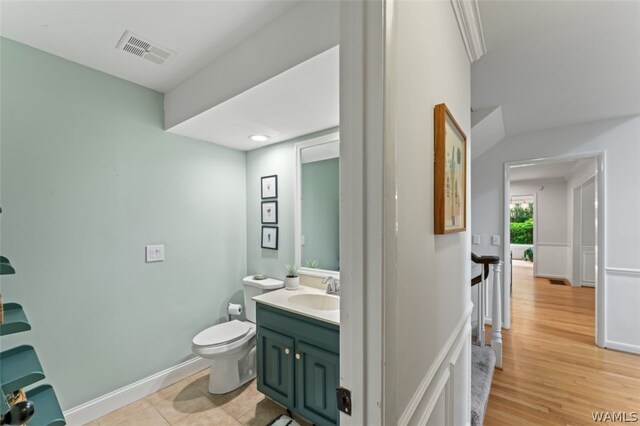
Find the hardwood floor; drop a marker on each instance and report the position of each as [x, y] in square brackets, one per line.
[553, 371]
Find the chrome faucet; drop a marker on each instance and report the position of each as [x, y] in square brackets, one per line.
[333, 285]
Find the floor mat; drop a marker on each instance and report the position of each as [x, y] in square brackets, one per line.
[283, 420]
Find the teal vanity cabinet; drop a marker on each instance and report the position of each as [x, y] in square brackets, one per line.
[299, 363]
[275, 366]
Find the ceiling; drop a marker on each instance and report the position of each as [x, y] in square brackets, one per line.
[551, 171]
[299, 101]
[87, 32]
[549, 63]
[325, 151]
[555, 63]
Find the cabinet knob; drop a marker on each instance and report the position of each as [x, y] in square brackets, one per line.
[297, 356]
[287, 351]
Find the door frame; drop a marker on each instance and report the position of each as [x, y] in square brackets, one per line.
[601, 242]
[362, 43]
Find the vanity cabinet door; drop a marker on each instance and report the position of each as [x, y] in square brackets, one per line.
[275, 366]
[317, 377]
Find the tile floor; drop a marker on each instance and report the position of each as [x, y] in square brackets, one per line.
[188, 402]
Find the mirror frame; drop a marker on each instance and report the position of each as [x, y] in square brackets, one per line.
[298, 147]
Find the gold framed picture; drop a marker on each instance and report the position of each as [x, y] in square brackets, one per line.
[450, 173]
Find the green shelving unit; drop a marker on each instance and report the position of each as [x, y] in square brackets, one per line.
[20, 366]
[15, 320]
[48, 410]
[5, 267]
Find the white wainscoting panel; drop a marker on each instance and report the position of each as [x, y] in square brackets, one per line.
[588, 256]
[551, 260]
[444, 392]
[623, 309]
[436, 413]
[518, 250]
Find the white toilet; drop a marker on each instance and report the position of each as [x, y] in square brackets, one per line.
[231, 346]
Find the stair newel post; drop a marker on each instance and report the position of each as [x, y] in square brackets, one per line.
[496, 314]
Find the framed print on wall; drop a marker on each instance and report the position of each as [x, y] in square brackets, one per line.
[269, 186]
[269, 212]
[450, 173]
[270, 237]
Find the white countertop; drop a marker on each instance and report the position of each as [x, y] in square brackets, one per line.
[279, 299]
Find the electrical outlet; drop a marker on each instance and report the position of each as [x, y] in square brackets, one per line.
[475, 240]
[495, 240]
[155, 253]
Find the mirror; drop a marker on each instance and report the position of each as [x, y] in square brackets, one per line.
[318, 206]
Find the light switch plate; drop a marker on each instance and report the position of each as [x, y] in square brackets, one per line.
[155, 253]
[475, 240]
[495, 240]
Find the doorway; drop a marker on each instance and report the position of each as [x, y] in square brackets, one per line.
[522, 228]
[565, 194]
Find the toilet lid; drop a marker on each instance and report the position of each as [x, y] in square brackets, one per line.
[223, 333]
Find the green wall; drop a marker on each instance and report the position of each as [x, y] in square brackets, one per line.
[278, 159]
[88, 178]
[321, 213]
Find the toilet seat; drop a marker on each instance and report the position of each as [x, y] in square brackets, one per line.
[222, 333]
[224, 337]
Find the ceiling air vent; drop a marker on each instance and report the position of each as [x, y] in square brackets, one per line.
[144, 48]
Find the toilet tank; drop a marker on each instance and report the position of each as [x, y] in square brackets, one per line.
[254, 288]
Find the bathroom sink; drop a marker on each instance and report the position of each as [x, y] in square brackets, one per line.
[321, 302]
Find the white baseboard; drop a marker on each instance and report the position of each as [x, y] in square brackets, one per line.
[624, 347]
[119, 398]
[553, 277]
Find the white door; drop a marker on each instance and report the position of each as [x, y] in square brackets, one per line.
[584, 234]
[588, 237]
[576, 252]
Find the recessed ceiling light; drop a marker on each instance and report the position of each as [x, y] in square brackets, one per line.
[259, 138]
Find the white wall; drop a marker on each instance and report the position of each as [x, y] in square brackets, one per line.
[619, 139]
[304, 31]
[427, 276]
[550, 227]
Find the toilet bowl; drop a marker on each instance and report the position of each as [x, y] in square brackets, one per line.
[231, 346]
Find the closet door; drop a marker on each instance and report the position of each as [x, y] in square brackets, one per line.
[588, 234]
[576, 252]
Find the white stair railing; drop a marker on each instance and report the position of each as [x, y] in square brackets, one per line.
[481, 310]
[496, 305]
[496, 314]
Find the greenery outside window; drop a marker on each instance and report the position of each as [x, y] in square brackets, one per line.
[521, 223]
